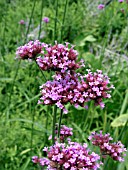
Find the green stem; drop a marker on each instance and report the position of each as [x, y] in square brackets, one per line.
[108, 2]
[32, 112]
[39, 167]
[105, 121]
[105, 163]
[65, 8]
[55, 24]
[41, 71]
[40, 20]
[123, 130]
[4, 34]
[86, 120]
[59, 126]
[46, 124]
[54, 124]
[92, 117]
[34, 4]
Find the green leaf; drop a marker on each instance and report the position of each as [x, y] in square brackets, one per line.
[80, 41]
[120, 121]
[24, 167]
[25, 151]
[88, 57]
[89, 38]
[6, 79]
[92, 60]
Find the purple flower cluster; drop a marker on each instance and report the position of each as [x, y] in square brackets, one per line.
[46, 20]
[72, 156]
[96, 87]
[59, 58]
[67, 85]
[65, 132]
[114, 150]
[75, 89]
[101, 6]
[59, 91]
[30, 50]
[99, 139]
[22, 22]
[121, 1]
[41, 161]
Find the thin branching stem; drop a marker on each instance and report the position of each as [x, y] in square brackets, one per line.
[87, 116]
[55, 24]
[107, 3]
[59, 126]
[63, 21]
[30, 20]
[46, 124]
[41, 19]
[41, 71]
[32, 127]
[54, 124]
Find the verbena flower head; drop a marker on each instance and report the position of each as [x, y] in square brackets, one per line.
[35, 159]
[41, 161]
[46, 20]
[60, 90]
[30, 50]
[96, 87]
[65, 132]
[75, 89]
[71, 156]
[22, 22]
[101, 6]
[121, 1]
[114, 150]
[98, 139]
[59, 58]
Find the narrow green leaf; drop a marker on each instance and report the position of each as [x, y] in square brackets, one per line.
[25, 151]
[24, 167]
[6, 79]
[125, 103]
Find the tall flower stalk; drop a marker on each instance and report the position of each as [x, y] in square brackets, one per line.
[30, 20]
[54, 123]
[41, 19]
[59, 126]
[63, 21]
[55, 23]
